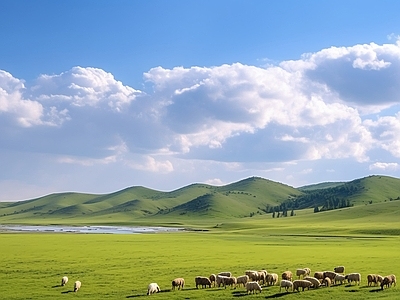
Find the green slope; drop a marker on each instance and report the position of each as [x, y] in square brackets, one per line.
[248, 197]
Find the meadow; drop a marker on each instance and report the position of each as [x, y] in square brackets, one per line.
[121, 266]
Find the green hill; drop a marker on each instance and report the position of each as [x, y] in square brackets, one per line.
[249, 197]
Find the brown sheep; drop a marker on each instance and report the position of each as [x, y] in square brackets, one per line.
[178, 282]
[372, 279]
[339, 269]
[271, 279]
[203, 281]
[213, 278]
[319, 276]
[287, 275]
[242, 280]
[356, 277]
[331, 275]
[231, 281]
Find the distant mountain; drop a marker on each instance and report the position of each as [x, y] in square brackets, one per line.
[244, 198]
[319, 186]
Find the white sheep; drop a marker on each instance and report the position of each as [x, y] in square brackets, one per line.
[356, 277]
[253, 286]
[315, 282]
[327, 282]
[261, 275]
[64, 280]
[287, 284]
[301, 284]
[178, 282]
[339, 278]
[242, 280]
[153, 288]
[272, 278]
[77, 285]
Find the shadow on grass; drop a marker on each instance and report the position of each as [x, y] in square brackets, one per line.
[67, 292]
[277, 295]
[56, 286]
[376, 290]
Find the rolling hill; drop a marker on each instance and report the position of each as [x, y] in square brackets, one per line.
[248, 197]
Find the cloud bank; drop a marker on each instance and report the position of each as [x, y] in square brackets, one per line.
[341, 103]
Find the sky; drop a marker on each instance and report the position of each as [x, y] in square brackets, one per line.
[97, 96]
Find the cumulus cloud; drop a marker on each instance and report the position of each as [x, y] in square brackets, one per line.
[381, 166]
[308, 109]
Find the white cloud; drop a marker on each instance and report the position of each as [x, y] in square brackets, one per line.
[381, 166]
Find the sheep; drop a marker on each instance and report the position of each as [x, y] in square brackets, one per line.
[64, 280]
[261, 276]
[242, 280]
[339, 278]
[253, 275]
[301, 284]
[272, 278]
[331, 275]
[372, 279]
[230, 281]
[379, 278]
[153, 288]
[220, 280]
[301, 272]
[327, 282]
[77, 285]
[253, 286]
[227, 274]
[386, 281]
[339, 269]
[213, 278]
[287, 284]
[356, 277]
[203, 281]
[308, 271]
[178, 282]
[287, 275]
[319, 276]
[315, 282]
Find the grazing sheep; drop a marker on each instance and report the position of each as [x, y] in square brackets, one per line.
[253, 286]
[64, 280]
[308, 271]
[242, 280]
[301, 272]
[339, 278]
[315, 282]
[271, 279]
[356, 277]
[231, 281]
[227, 274]
[327, 282]
[178, 282]
[287, 284]
[387, 281]
[287, 275]
[77, 285]
[220, 280]
[203, 281]
[393, 279]
[301, 284]
[319, 276]
[339, 269]
[379, 278]
[372, 279]
[213, 279]
[253, 275]
[331, 275]
[261, 276]
[153, 288]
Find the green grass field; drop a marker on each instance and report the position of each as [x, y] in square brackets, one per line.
[365, 239]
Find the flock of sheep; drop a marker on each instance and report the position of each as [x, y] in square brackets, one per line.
[254, 280]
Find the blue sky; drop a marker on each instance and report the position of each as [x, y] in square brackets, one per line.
[96, 96]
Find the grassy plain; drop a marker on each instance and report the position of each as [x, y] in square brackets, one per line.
[365, 239]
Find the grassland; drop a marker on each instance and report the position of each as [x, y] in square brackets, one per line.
[365, 239]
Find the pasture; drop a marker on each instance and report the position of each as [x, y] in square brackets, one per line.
[121, 266]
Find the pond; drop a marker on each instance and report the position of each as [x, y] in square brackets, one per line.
[87, 229]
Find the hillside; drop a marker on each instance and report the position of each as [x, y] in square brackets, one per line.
[248, 197]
